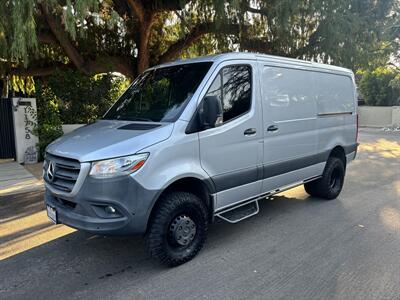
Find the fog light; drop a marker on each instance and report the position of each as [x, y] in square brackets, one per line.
[109, 209]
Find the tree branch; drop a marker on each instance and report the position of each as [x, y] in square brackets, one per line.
[47, 38]
[146, 18]
[64, 40]
[102, 64]
[37, 71]
[105, 64]
[122, 8]
[194, 35]
[262, 11]
[166, 5]
[138, 8]
[256, 45]
[146, 11]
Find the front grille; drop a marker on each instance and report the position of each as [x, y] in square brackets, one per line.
[66, 172]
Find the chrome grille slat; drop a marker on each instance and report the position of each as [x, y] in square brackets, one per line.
[67, 162]
[67, 167]
[66, 172]
[64, 177]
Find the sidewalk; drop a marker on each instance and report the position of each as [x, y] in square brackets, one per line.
[15, 179]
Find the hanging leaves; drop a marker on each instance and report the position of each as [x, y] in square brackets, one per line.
[98, 35]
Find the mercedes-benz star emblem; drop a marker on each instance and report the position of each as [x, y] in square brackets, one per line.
[50, 171]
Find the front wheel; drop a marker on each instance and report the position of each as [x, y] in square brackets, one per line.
[177, 229]
[330, 184]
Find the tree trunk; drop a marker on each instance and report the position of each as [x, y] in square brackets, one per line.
[4, 91]
[143, 56]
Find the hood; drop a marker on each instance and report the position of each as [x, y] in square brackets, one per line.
[109, 138]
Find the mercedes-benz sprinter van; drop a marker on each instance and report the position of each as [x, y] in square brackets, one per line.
[199, 139]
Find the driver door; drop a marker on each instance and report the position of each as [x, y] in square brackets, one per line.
[231, 153]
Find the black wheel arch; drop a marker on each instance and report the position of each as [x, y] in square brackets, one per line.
[340, 153]
[203, 189]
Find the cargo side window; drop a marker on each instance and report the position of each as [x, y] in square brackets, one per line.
[334, 92]
[233, 87]
[288, 93]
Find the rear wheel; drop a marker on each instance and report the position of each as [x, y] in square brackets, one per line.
[177, 229]
[330, 184]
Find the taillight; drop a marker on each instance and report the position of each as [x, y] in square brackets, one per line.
[357, 130]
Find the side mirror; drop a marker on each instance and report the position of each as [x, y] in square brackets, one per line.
[210, 113]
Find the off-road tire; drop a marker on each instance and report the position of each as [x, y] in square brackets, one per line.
[159, 243]
[330, 184]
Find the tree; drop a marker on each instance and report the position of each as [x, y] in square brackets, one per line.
[127, 36]
[381, 86]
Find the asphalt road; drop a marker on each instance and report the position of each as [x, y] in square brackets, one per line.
[297, 247]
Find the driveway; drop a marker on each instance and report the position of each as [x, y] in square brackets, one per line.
[297, 247]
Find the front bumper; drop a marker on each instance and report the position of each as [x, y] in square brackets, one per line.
[86, 209]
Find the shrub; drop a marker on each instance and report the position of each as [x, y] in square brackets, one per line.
[83, 99]
[48, 126]
[381, 87]
[69, 97]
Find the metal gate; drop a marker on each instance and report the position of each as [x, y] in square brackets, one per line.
[7, 141]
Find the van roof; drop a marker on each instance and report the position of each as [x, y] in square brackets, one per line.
[255, 56]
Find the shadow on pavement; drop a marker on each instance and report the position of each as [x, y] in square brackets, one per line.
[79, 259]
[295, 240]
[17, 206]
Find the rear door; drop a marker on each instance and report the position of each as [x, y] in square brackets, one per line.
[290, 125]
[231, 153]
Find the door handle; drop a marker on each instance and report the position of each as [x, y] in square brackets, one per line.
[250, 131]
[272, 128]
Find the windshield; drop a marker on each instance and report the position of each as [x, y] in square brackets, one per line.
[159, 95]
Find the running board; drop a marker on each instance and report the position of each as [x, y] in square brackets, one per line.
[249, 207]
[240, 212]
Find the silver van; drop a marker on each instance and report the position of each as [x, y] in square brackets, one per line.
[199, 139]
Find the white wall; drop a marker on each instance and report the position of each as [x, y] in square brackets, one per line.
[396, 115]
[24, 114]
[379, 116]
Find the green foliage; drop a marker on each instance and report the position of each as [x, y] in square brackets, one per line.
[69, 98]
[395, 82]
[48, 126]
[18, 29]
[381, 86]
[344, 32]
[83, 99]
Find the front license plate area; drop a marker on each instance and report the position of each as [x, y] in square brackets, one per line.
[52, 214]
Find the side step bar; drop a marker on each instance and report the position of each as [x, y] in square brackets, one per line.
[248, 208]
[240, 212]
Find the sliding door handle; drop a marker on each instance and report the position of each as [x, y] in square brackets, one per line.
[272, 128]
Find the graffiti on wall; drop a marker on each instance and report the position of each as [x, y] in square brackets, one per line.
[25, 120]
[31, 155]
[29, 116]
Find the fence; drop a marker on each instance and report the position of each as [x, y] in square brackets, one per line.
[7, 143]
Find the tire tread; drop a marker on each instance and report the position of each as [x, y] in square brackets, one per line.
[162, 214]
[320, 187]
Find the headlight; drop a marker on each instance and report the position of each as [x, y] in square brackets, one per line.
[118, 166]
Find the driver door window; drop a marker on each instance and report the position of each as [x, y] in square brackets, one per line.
[232, 87]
